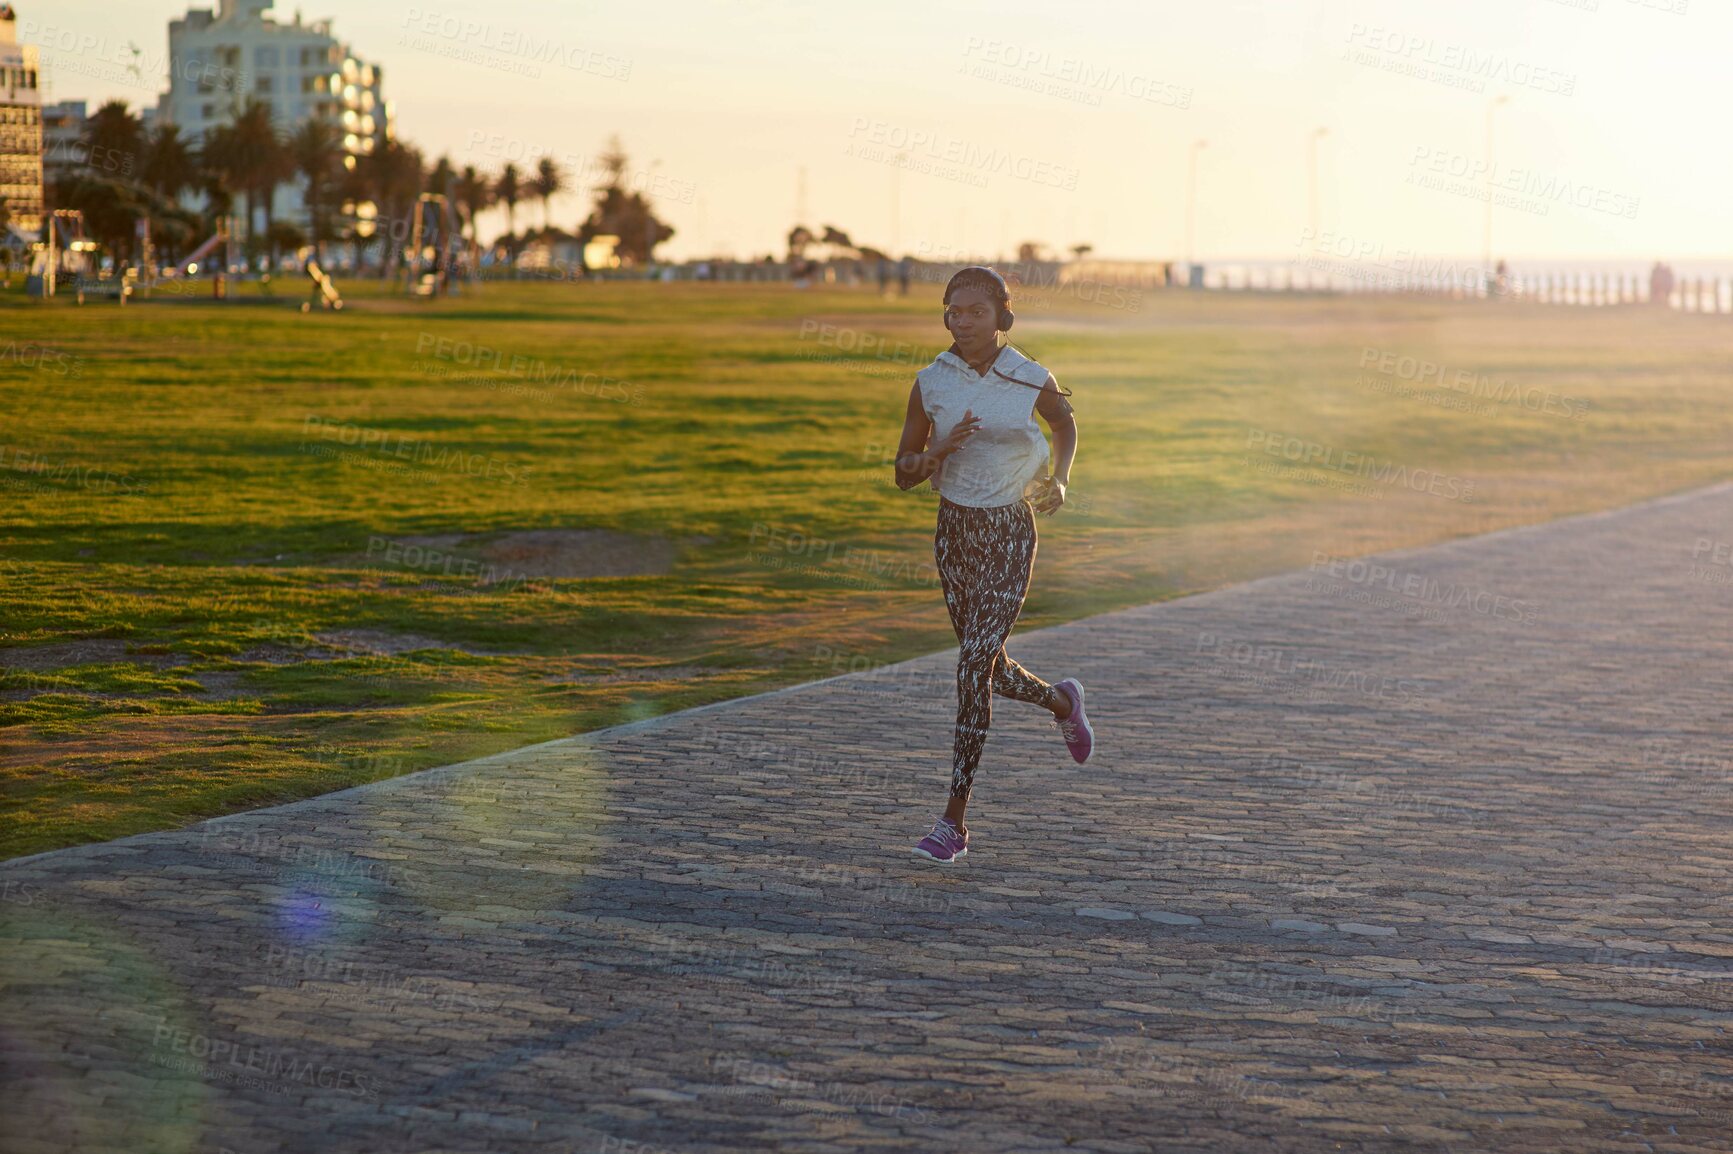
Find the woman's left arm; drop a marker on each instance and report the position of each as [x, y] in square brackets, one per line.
[1056, 411]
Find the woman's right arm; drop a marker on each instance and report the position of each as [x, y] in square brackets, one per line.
[915, 461]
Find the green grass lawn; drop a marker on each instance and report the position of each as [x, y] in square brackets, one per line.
[252, 555]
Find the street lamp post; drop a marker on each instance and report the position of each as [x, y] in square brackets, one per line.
[1486, 237]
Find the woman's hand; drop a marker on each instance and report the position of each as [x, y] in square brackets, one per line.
[953, 440]
[957, 437]
[915, 460]
[1051, 496]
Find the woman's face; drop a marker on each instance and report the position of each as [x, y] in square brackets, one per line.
[973, 317]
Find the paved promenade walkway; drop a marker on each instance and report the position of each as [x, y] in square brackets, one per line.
[1430, 853]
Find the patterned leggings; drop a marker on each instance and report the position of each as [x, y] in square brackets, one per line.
[985, 557]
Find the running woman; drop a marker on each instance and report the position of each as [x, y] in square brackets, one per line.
[991, 472]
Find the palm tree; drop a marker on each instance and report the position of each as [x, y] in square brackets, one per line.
[548, 181]
[173, 229]
[252, 158]
[111, 209]
[114, 140]
[130, 174]
[284, 235]
[632, 218]
[392, 175]
[221, 163]
[441, 177]
[213, 183]
[170, 166]
[507, 190]
[271, 163]
[315, 153]
[475, 195]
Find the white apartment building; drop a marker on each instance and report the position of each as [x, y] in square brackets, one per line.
[20, 129]
[218, 61]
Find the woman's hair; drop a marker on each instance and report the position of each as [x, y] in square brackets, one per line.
[981, 277]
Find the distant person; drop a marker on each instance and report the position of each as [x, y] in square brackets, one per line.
[1661, 285]
[1501, 280]
[903, 277]
[884, 277]
[990, 488]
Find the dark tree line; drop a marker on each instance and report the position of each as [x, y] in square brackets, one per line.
[123, 172]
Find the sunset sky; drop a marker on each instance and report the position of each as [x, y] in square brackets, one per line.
[1060, 123]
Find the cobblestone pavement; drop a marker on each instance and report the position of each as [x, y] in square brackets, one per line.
[1424, 853]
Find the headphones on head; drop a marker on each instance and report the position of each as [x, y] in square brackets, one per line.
[989, 279]
[1001, 293]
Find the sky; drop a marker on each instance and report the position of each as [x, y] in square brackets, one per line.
[964, 127]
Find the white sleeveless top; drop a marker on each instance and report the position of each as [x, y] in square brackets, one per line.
[1000, 462]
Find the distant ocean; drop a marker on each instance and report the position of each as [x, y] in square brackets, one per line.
[1403, 268]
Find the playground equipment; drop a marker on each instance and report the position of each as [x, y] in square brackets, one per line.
[324, 289]
[66, 255]
[224, 238]
[434, 267]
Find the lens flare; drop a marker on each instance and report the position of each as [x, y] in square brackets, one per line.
[87, 1022]
[515, 837]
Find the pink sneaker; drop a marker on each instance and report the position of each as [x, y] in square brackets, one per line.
[944, 844]
[1079, 735]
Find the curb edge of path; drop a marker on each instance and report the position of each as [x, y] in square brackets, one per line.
[650, 723]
